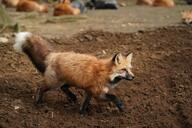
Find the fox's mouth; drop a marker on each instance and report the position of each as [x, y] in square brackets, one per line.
[119, 78]
[126, 76]
[115, 80]
[129, 78]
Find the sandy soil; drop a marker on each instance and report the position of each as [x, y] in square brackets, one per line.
[159, 97]
[127, 19]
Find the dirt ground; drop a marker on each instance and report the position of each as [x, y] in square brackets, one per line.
[159, 97]
[130, 18]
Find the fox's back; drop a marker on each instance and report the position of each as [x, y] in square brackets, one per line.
[77, 69]
[165, 3]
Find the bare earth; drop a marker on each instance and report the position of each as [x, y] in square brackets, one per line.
[159, 97]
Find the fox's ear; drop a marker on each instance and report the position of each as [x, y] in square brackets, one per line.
[129, 57]
[117, 58]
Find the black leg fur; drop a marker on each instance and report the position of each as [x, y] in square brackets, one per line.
[40, 92]
[72, 97]
[85, 104]
[116, 101]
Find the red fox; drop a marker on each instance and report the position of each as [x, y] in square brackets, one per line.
[187, 17]
[29, 5]
[145, 2]
[68, 69]
[65, 8]
[10, 3]
[164, 3]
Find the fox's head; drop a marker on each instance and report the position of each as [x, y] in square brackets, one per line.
[122, 68]
[187, 17]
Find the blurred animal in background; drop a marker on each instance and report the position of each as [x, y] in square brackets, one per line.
[102, 4]
[67, 7]
[79, 4]
[189, 2]
[145, 2]
[187, 17]
[26, 5]
[10, 3]
[29, 6]
[163, 3]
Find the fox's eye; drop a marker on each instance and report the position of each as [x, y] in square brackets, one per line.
[123, 70]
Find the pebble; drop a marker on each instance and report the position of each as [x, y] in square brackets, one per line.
[122, 4]
[16, 107]
[3, 40]
[88, 37]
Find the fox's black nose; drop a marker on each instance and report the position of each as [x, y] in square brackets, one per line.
[130, 77]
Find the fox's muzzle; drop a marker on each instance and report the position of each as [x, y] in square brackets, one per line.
[129, 77]
[126, 77]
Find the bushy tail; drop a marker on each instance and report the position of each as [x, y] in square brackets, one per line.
[35, 47]
[20, 40]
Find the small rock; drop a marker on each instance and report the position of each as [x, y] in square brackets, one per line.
[181, 86]
[81, 39]
[99, 39]
[17, 104]
[89, 37]
[3, 40]
[122, 4]
[7, 35]
[123, 25]
[104, 52]
[16, 107]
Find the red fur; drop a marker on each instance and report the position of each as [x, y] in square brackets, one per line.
[65, 8]
[78, 70]
[37, 50]
[28, 6]
[165, 3]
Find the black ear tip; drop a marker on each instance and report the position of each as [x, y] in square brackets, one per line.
[129, 53]
[113, 59]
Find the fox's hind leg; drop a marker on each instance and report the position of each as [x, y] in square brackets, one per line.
[40, 92]
[85, 104]
[50, 82]
[43, 89]
[71, 96]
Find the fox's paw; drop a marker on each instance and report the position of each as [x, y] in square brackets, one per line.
[82, 113]
[121, 107]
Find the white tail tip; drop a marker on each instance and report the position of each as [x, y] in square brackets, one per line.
[20, 39]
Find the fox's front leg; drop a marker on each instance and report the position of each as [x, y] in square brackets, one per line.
[115, 100]
[71, 96]
[85, 104]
